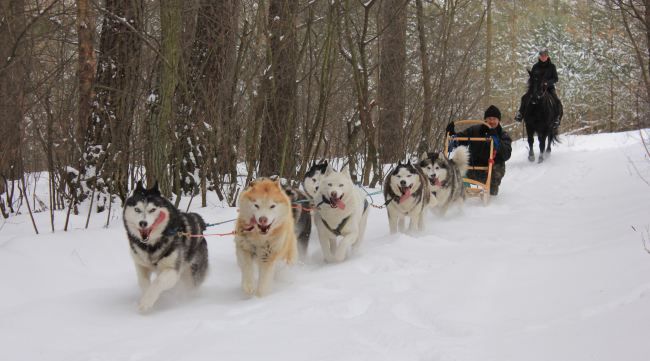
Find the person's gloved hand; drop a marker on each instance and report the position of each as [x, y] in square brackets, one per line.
[450, 128]
[519, 117]
[496, 140]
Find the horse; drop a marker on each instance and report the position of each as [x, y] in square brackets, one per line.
[539, 116]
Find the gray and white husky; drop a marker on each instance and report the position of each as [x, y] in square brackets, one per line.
[159, 241]
[407, 194]
[342, 211]
[301, 204]
[446, 177]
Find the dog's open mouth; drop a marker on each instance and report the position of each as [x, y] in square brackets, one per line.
[264, 229]
[435, 181]
[406, 192]
[144, 233]
[337, 202]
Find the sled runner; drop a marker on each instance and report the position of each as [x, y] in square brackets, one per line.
[475, 188]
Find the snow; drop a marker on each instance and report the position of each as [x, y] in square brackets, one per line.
[550, 270]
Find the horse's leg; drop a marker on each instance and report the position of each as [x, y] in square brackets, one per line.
[542, 140]
[548, 145]
[531, 139]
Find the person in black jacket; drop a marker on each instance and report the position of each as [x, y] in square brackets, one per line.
[480, 151]
[545, 70]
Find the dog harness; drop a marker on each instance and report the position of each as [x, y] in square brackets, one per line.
[337, 231]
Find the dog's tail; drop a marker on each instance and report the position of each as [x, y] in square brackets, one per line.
[461, 158]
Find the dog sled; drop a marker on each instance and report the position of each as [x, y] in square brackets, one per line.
[475, 188]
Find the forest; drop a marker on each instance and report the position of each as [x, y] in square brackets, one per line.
[203, 96]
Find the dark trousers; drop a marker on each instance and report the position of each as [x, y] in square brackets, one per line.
[498, 171]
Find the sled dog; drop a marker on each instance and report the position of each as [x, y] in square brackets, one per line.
[342, 210]
[312, 178]
[301, 204]
[264, 234]
[407, 194]
[446, 177]
[158, 235]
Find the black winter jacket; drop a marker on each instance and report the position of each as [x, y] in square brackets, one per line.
[546, 71]
[480, 151]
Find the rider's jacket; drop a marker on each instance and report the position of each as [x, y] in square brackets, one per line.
[546, 71]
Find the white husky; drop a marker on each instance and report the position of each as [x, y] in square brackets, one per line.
[342, 211]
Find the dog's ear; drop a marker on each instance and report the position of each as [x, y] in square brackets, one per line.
[346, 171]
[154, 190]
[328, 171]
[423, 156]
[399, 162]
[324, 162]
[139, 187]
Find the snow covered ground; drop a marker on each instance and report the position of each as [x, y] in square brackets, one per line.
[551, 270]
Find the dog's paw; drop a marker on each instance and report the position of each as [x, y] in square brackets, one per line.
[248, 287]
[146, 302]
[340, 255]
[262, 291]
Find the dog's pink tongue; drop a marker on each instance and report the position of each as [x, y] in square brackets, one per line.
[339, 203]
[437, 182]
[405, 195]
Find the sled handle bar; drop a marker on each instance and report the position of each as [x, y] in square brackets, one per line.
[469, 121]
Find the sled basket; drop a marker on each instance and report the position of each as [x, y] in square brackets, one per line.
[475, 188]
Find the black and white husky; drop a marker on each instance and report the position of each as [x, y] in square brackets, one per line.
[446, 177]
[407, 194]
[159, 238]
[312, 178]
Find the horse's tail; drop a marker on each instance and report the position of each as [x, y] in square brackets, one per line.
[555, 136]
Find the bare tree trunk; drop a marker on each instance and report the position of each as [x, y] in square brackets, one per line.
[279, 89]
[488, 56]
[427, 110]
[107, 144]
[392, 73]
[12, 91]
[159, 149]
[86, 71]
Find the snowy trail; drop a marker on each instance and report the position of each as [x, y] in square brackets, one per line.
[550, 270]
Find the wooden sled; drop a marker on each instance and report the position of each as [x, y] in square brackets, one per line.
[475, 188]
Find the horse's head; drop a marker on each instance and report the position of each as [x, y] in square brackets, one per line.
[536, 88]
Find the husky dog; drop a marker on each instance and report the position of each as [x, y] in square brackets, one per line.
[264, 234]
[301, 203]
[312, 178]
[160, 243]
[407, 193]
[342, 211]
[446, 177]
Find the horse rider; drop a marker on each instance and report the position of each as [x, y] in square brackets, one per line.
[545, 70]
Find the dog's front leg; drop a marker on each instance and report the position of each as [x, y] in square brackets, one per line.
[414, 222]
[245, 262]
[392, 222]
[324, 239]
[344, 245]
[165, 280]
[144, 276]
[400, 223]
[265, 280]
